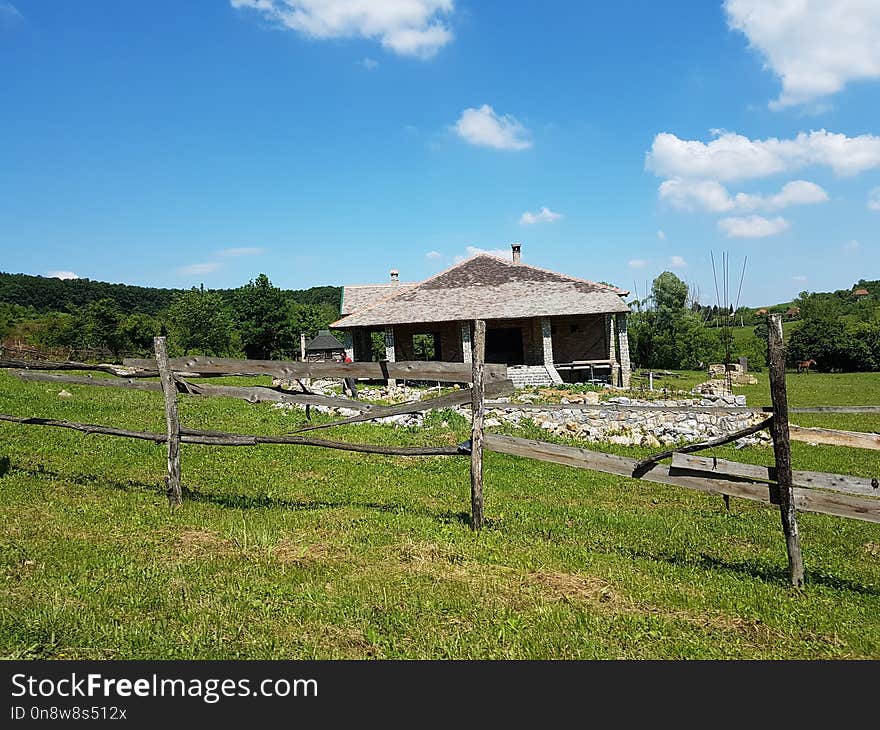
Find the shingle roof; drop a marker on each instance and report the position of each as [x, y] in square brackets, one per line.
[324, 341]
[358, 296]
[487, 287]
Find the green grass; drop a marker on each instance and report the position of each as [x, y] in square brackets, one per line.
[291, 552]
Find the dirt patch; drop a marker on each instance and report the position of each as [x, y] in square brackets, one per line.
[872, 548]
[200, 542]
[289, 553]
[574, 587]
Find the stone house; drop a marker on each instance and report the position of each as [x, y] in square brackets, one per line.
[324, 348]
[546, 327]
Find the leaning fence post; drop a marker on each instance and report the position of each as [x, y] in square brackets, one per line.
[477, 397]
[172, 423]
[783, 494]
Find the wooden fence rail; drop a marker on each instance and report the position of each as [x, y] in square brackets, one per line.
[791, 490]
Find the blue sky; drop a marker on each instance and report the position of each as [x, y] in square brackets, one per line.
[327, 141]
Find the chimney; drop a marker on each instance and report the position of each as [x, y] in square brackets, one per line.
[516, 248]
[394, 276]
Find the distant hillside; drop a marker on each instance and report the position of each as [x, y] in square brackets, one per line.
[47, 294]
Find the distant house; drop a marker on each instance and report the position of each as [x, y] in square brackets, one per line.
[761, 312]
[324, 348]
[793, 312]
[861, 293]
[543, 325]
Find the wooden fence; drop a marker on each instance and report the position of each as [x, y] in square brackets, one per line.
[778, 485]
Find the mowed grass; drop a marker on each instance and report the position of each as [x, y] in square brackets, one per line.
[295, 552]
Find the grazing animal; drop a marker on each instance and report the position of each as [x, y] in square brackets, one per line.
[803, 366]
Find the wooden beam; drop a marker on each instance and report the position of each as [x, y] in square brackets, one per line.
[250, 393]
[829, 436]
[783, 493]
[220, 438]
[807, 500]
[477, 410]
[450, 372]
[712, 467]
[172, 423]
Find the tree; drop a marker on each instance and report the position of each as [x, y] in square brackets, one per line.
[139, 330]
[262, 313]
[671, 335]
[103, 325]
[201, 323]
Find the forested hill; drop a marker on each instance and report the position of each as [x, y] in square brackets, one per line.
[47, 294]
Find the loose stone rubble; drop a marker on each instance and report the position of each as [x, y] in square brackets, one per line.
[617, 422]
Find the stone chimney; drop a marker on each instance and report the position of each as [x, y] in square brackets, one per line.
[516, 248]
[394, 274]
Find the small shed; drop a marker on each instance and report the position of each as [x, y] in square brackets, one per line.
[325, 348]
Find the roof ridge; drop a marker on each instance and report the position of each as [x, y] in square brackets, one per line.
[430, 278]
[610, 287]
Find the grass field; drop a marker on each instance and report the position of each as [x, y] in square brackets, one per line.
[291, 552]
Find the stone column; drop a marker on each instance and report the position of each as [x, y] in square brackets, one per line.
[547, 347]
[547, 340]
[390, 353]
[612, 354]
[466, 342]
[623, 346]
[348, 342]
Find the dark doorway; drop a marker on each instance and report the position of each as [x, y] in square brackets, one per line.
[505, 345]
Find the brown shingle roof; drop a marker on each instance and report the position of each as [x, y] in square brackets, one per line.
[359, 296]
[486, 287]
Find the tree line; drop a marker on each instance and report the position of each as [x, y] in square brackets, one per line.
[258, 320]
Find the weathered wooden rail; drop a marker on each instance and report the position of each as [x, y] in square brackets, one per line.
[779, 485]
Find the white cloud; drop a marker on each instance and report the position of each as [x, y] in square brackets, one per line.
[433, 255]
[205, 268]
[851, 245]
[545, 215]
[733, 156]
[677, 262]
[62, 275]
[799, 277]
[474, 250]
[661, 235]
[874, 199]
[405, 27]
[815, 46]
[712, 196]
[484, 128]
[241, 251]
[753, 226]
[370, 64]
[637, 263]
[9, 15]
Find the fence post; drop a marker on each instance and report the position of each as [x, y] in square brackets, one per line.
[172, 423]
[783, 494]
[477, 408]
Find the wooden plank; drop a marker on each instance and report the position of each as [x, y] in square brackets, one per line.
[220, 438]
[172, 423]
[478, 392]
[120, 371]
[250, 393]
[807, 500]
[832, 437]
[709, 466]
[450, 372]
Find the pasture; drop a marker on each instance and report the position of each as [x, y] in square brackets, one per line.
[296, 552]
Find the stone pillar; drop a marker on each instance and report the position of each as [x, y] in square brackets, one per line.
[612, 354]
[547, 347]
[466, 342]
[390, 354]
[547, 340]
[623, 346]
[348, 342]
